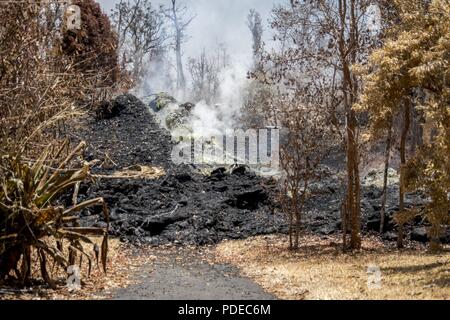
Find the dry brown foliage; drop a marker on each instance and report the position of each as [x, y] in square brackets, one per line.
[93, 48]
[40, 89]
[303, 148]
[320, 271]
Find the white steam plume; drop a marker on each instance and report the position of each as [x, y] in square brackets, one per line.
[210, 120]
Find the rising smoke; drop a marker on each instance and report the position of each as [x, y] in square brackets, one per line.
[215, 22]
[209, 120]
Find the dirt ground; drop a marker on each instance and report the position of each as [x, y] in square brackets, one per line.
[319, 270]
[147, 273]
[260, 268]
[123, 261]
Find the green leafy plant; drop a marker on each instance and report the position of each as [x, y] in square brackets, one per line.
[31, 220]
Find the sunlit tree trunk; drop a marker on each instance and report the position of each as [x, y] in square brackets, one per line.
[385, 178]
[179, 28]
[349, 90]
[181, 79]
[404, 137]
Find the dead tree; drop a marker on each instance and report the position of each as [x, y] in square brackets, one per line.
[404, 137]
[385, 178]
[254, 23]
[141, 33]
[204, 72]
[178, 16]
[348, 56]
[303, 148]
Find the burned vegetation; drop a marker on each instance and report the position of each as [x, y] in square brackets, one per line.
[86, 144]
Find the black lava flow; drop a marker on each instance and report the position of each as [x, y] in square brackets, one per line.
[182, 207]
[187, 207]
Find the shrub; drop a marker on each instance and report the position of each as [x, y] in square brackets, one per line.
[95, 46]
[30, 219]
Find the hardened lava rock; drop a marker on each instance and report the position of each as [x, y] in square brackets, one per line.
[126, 136]
[183, 206]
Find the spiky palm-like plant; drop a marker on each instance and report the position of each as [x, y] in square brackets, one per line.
[30, 220]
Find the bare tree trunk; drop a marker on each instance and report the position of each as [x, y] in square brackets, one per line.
[356, 216]
[298, 224]
[181, 80]
[344, 218]
[295, 213]
[299, 209]
[291, 243]
[406, 125]
[353, 184]
[417, 131]
[385, 178]
[350, 88]
[291, 225]
[297, 229]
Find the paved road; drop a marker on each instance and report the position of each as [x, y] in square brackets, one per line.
[190, 277]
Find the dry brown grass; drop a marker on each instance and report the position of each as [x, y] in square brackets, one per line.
[319, 270]
[136, 172]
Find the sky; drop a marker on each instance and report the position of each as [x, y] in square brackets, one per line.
[218, 21]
